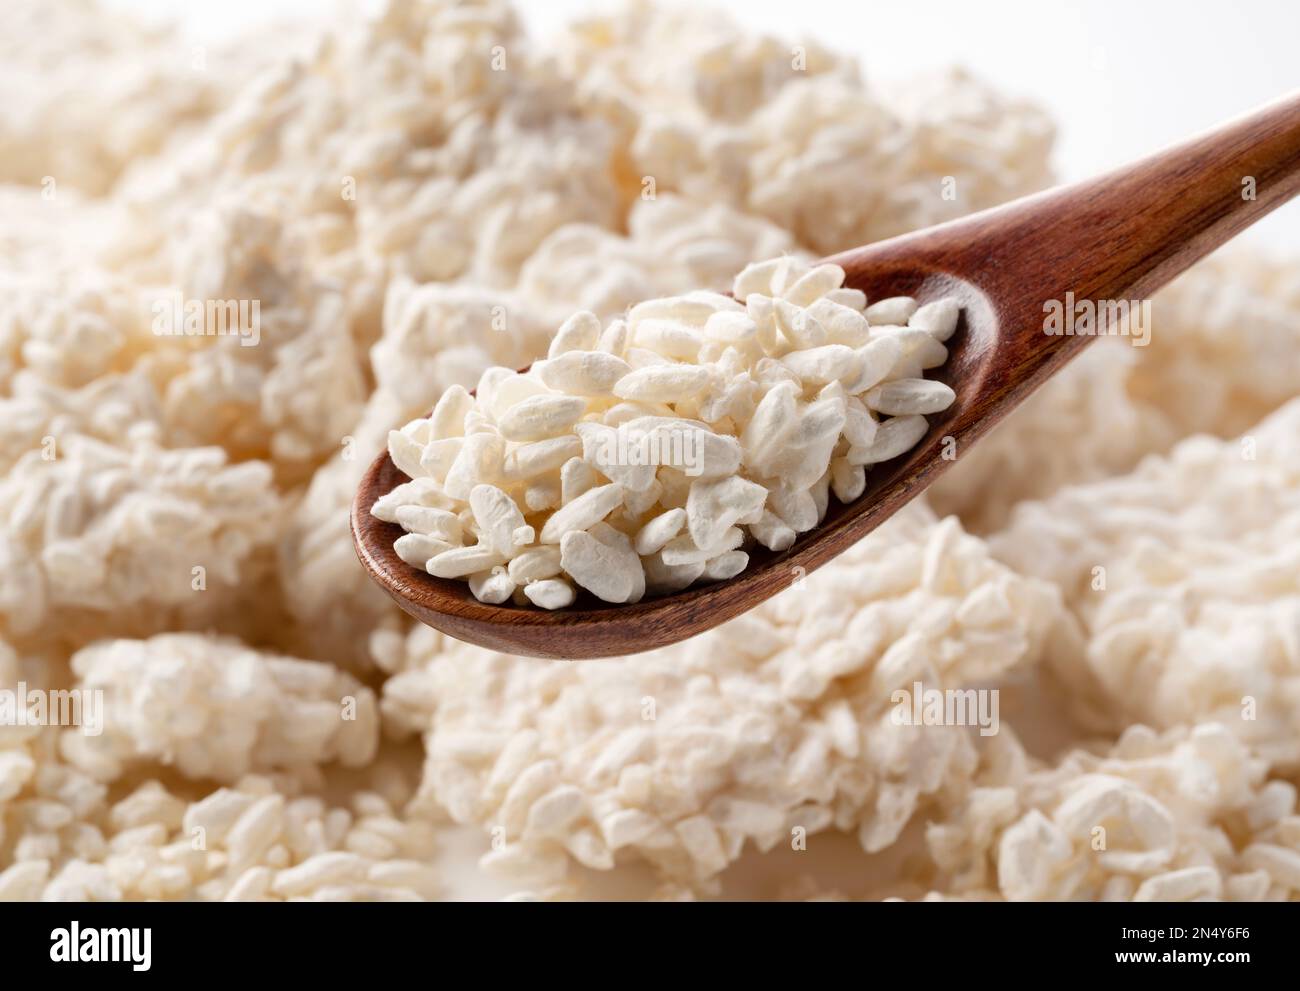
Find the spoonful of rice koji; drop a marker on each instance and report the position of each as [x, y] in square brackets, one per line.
[794, 422]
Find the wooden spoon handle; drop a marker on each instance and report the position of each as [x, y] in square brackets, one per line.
[1125, 234]
[1120, 236]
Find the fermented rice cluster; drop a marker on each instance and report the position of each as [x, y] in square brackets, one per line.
[417, 197]
[642, 457]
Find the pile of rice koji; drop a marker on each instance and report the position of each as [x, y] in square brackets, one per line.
[415, 198]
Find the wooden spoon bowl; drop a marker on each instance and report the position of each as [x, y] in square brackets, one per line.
[603, 628]
[1116, 238]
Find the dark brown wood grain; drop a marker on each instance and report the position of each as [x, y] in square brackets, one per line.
[1118, 237]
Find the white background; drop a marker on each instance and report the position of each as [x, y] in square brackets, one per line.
[1121, 77]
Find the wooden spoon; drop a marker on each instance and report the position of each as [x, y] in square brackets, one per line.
[1118, 237]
